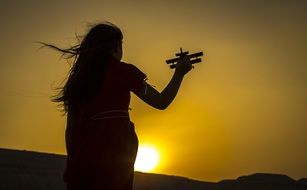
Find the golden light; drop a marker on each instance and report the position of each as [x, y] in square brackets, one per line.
[147, 159]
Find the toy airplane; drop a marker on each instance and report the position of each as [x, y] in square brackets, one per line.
[194, 58]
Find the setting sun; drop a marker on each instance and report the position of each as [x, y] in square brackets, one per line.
[147, 159]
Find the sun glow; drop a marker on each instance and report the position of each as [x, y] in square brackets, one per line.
[147, 159]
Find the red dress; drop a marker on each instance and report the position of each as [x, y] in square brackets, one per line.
[104, 146]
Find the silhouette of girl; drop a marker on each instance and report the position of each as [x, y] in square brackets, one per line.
[101, 141]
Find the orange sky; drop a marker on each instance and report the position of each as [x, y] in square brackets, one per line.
[243, 110]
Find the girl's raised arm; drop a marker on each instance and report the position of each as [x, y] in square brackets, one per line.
[162, 100]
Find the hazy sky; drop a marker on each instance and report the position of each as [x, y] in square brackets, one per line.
[242, 110]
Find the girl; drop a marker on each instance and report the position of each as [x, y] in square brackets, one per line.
[100, 138]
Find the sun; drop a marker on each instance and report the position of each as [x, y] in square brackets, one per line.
[147, 159]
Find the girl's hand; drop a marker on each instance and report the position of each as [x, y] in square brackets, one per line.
[183, 66]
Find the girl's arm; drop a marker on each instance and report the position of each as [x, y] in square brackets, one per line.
[162, 100]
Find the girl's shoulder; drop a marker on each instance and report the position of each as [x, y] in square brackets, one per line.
[127, 69]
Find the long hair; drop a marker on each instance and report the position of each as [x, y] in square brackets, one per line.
[90, 58]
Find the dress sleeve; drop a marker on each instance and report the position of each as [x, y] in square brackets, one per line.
[135, 78]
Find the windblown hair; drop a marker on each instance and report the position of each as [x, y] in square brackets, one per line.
[90, 58]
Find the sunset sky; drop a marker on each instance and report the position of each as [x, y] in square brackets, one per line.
[242, 110]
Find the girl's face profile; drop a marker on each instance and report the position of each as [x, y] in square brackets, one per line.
[118, 51]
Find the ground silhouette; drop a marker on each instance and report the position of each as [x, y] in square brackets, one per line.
[43, 171]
